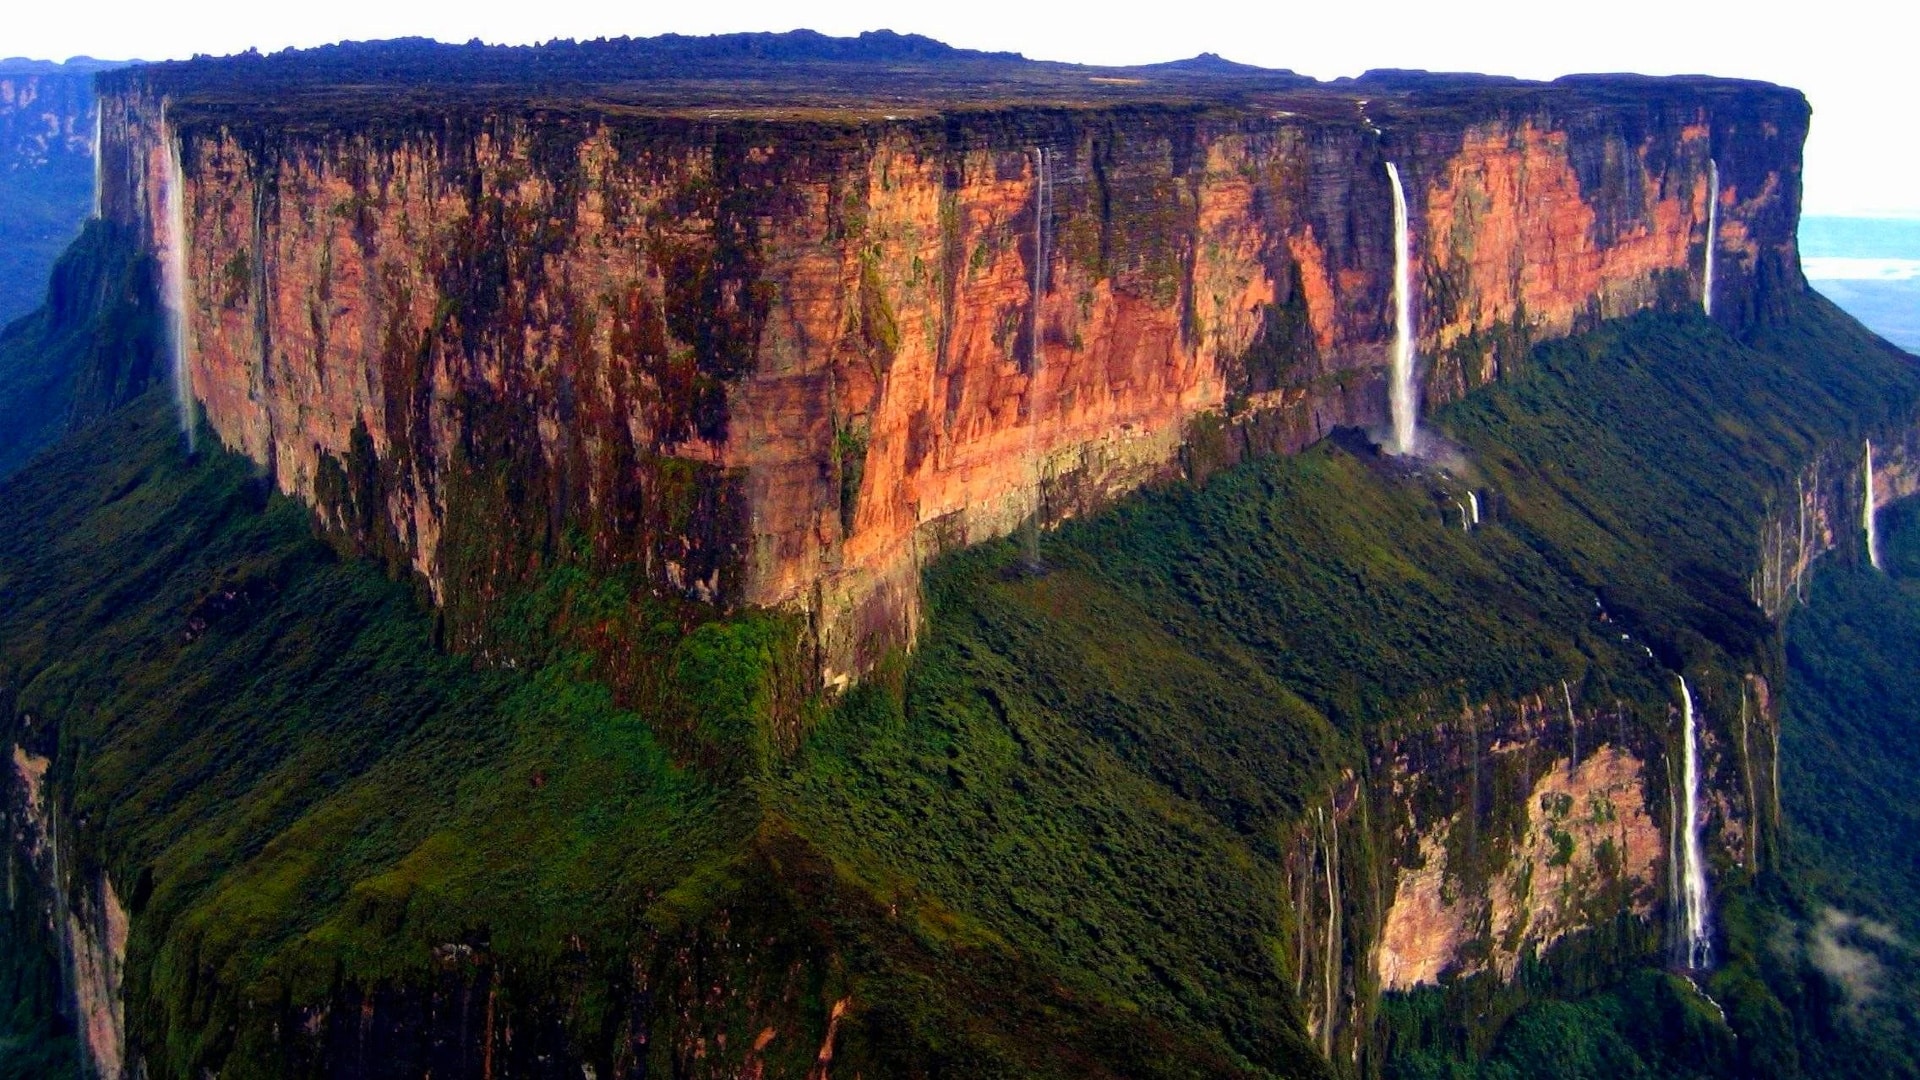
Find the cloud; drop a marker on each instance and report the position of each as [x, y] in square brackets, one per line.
[1831, 268]
[1848, 949]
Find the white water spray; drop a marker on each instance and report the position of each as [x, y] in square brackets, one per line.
[174, 278]
[1867, 512]
[96, 159]
[1042, 219]
[1330, 847]
[1473, 503]
[1713, 230]
[1042, 228]
[1696, 939]
[1400, 396]
[1573, 729]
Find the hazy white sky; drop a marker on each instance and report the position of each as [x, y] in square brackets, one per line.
[1854, 59]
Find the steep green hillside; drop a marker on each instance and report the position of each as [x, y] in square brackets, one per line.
[1856, 708]
[1850, 757]
[1832, 936]
[296, 791]
[1049, 842]
[1103, 760]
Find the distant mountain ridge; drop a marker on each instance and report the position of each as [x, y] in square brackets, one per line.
[46, 169]
[25, 65]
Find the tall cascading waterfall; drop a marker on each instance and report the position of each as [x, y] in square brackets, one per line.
[96, 159]
[1713, 231]
[1695, 941]
[1400, 395]
[1473, 503]
[1042, 228]
[174, 279]
[1867, 511]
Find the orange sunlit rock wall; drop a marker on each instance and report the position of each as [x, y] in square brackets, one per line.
[786, 363]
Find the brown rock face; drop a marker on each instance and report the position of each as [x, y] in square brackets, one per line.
[1519, 824]
[92, 929]
[782, 362]
[1587, 838]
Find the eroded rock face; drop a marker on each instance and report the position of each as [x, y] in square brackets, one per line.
[1587, 837]
[85, 916]
[782, 363]
[1824, 513]
[1518, 824]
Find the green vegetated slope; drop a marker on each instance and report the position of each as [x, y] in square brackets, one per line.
[300, 797]
[269, 752]
[1855, 700]
[1824, 979]
[1047, 843]
[1852, 749]
[1098, 764]
[1726, 426]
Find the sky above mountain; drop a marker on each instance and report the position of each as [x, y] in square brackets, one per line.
[1849, 56]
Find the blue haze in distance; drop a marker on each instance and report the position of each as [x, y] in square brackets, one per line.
[1871, 268]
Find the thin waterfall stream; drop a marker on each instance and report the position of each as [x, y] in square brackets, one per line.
[1713, 231]
[1696, 941]
[174, 278]
[96, 159]
[1867, 511]
[1042, 215]
[1401, 394]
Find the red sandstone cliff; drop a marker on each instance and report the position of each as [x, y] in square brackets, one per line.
[782, 358]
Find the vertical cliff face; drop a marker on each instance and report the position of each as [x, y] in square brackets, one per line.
[781, 362]
[1514, 831]
[80, 913]
[1822, 513]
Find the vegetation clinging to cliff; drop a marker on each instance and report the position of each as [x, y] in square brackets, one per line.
[1085, 783]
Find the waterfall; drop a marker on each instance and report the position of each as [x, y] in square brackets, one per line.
[1696, 941]
[1713, 230]
[1042, 211]
[1867, 512]
[1400, 395]
[1573, 729]
[1746, 777]
[96, 159]
[1042, 222]
[174, 277]
[1466, 518]
[1330, 847]
[1473, 503]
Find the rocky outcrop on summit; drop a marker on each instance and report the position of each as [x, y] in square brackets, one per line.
[781, 355]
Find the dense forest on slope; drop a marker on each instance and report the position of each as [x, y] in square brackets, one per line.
[1051, 841]
[1832, 935]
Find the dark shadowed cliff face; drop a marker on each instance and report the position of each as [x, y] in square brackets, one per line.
[780, 355]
